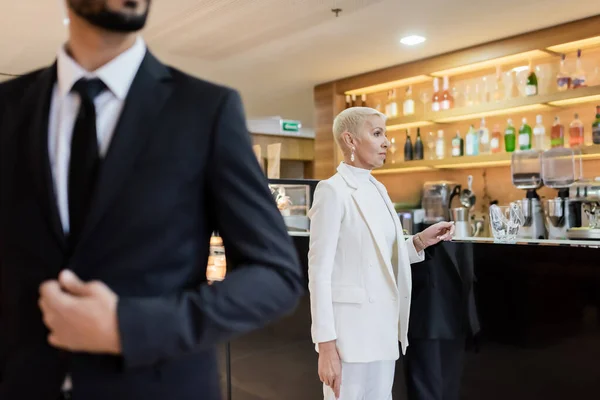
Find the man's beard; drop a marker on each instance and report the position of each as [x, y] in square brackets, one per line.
[109, 20]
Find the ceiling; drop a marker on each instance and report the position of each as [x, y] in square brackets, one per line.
[276, 51]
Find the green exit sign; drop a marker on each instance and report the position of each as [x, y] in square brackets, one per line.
[290, 126]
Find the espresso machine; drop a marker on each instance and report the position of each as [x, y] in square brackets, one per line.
[560, 170]
[526, 170]
[584, 197]
[437, 201]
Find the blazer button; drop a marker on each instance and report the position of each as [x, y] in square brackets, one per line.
[371, 300]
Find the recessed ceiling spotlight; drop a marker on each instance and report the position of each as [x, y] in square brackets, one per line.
[412, 40]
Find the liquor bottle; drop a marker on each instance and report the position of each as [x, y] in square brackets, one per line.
[563, 79]
[348, 101]
[499, 89]
[408, 107]
[596, 127]
[388, 104]
[539, 134]
[579, 78]
[408, 149]
[436, 98]
[557, 134]
[531, 87]
[576, 132]
[496, 142]
[353, 100]
[510, 137]
[458, 146]
[484, 138]
[363, 100]
[440, 146]
[393, 105]
[419, 150]
[472, 142]
[514, 86]
[525, 136]
[447, 99]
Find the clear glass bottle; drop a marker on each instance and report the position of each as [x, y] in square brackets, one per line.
[484, 138]
[499, 89]
[436, 99]
[447, 99]
[440, 146]
[496, 142]
[393, 105]
[579, 77]
[408, 107]
[472, 142]
[514, 85]
[539, 134]
[563, 79]
[576, 132]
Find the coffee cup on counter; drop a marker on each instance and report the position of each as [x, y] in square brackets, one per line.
[462, 223]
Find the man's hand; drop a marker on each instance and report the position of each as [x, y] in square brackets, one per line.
[80, 316]
[330, 366]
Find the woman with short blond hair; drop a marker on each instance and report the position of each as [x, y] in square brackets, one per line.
[359, 266]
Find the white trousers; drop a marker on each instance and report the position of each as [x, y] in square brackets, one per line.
[364, 381]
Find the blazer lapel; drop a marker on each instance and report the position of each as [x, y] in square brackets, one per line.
[365, 207]
[37, 99]
[148, 94]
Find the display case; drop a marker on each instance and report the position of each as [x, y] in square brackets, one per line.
[294, 199]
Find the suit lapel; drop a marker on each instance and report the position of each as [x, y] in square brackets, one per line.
[148, 94]
[37, 99]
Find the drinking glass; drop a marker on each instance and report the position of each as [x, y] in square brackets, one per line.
[505, 222]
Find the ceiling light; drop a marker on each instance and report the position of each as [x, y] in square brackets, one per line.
[412, 40]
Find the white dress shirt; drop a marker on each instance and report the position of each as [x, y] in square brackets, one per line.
[117, 75]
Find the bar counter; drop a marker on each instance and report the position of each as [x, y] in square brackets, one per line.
[538, 303]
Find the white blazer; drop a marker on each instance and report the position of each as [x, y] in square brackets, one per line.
[351, 302]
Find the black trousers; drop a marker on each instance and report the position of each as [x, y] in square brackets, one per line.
[433, 369]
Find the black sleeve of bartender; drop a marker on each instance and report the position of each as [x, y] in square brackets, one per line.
[264, 281]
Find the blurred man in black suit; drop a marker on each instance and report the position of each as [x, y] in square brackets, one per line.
[442, 318]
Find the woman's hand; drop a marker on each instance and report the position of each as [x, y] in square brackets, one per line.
[434, 234]
[330, 366]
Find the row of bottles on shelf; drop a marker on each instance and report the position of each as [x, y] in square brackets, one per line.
[482, 141]
[444, 98]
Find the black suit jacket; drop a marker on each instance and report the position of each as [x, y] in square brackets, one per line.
[180, 165]
[443, 305]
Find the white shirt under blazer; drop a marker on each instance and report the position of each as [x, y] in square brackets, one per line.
[360, 288]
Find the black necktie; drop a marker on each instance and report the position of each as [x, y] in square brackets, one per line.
[85, 159]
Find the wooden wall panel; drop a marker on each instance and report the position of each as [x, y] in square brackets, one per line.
[324, 145]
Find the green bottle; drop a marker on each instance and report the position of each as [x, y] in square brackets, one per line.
[525, 136]
[596, 127]
[510, 137]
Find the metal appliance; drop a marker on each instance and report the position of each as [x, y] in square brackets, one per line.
[584, 196]
[526, 170]
[412, 220]
[438, 198]
[464, 223]
[560, 170]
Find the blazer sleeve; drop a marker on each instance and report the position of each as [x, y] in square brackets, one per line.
[414, 256]
[264, 279]
[325, 222]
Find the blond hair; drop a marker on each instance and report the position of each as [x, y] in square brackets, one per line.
[352, 120]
